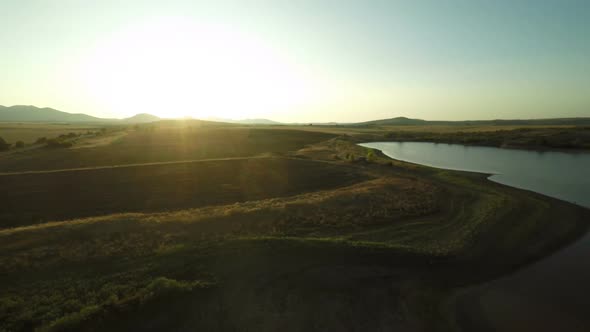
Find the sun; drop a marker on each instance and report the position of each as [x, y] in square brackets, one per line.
[176, 68]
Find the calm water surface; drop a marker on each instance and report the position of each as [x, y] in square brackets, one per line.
[557, 174]
[552, 294]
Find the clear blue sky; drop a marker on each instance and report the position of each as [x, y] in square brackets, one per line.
[299, 60]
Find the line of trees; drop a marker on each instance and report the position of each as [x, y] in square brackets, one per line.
[61, 141]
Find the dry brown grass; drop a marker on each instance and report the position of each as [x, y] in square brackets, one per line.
[148, 145]
[353, 210]
[30, 132]
[99, 140]
[317, 214]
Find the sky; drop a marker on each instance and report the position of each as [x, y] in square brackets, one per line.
[298, 61]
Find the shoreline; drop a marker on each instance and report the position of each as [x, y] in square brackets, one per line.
[464, 304]
[506, 147]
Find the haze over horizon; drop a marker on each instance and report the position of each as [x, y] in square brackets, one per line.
[305, 62]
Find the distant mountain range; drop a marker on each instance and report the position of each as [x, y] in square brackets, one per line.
[34, 114]
[22, 113]
[403, 121]
[244, 121]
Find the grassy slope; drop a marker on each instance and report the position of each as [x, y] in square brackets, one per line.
[381, 251]
[34, 198]
[154, 143]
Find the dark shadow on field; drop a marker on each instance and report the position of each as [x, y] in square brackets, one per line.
[34, 198]
[287, 286]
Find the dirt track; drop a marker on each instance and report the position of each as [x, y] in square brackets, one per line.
[126, 165]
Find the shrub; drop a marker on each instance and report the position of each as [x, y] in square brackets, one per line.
[19, 144]
[41, 140]
[3, 145]
[73, 321]
[370, 154]
[57, 143]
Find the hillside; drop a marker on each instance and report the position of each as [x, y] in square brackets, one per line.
[27, 113]
[403, 121]
[22, 113]
[399, 121]
[142, 118]
[243, 121]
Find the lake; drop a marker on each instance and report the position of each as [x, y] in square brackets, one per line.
[557, 174]
[552, 294]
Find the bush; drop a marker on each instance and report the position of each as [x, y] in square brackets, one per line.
[19, 144]
[41, 140]
[3, 145]
[57, 143]
[370, 155]
[73, 321]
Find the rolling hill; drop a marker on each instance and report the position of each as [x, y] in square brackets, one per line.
[22, 113]
[243, 121]
[403, 121]
[27, 113]
[142, 118]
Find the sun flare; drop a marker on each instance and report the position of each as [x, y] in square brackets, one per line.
[175, 68]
